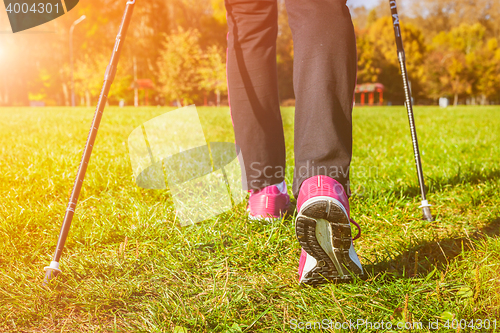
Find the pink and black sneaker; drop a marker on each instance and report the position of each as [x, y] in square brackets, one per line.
[271, 202]
[323, 230]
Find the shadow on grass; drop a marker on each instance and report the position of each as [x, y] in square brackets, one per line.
[439, 184]
[431, 254]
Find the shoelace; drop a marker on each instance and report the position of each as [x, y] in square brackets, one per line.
[359, 229]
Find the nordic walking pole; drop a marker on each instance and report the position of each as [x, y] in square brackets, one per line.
[409, 108]
[53, 269]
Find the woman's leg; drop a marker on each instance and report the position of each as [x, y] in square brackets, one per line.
[253, 89]
[325, 64]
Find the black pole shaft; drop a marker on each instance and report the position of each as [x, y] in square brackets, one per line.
[409, 108]
[108, 80]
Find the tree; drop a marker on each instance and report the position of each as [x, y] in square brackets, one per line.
[377, 56]
[179, 65]
[369, 67]
[456, 60]
[487, 67]
[89, 76]
[435, 16]
[212, 72]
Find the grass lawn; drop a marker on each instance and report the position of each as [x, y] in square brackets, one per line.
[128, 267]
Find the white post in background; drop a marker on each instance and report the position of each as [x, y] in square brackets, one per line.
[136, 91]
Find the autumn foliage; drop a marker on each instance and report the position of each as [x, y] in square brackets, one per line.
[451, 46]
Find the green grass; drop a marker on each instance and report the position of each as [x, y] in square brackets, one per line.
[128, 267]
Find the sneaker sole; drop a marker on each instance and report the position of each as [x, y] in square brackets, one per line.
[323, 230]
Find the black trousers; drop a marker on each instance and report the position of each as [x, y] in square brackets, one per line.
[324, 79]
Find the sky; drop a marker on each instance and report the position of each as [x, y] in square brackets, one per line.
[403, 5]
[359, 3]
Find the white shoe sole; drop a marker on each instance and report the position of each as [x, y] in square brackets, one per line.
[323, 230]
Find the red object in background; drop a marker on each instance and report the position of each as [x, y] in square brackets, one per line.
[145, 84]
[370, 88]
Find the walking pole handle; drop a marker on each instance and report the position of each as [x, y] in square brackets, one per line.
[397, 27]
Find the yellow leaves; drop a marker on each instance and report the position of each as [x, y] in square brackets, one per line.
[184, 68]
[492, 44]
[219, 11]
[465, 38]
[377, 53]
[178, 62]
[469, 63]
[492, 47]
[213, 70]
[381, 34]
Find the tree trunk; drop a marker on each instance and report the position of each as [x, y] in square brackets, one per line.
[4, 96]
[87, 97]
[6, 99]
[179, 105]
[455, 101]
[171, 16]
[483, 99]
[25, 99]
[136, 91]
[66, 95]
[218, 98]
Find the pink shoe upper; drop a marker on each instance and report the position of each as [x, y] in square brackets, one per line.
[268, 202]
[322, 186]
[314, 187]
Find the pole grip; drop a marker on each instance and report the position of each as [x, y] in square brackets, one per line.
[396, 25]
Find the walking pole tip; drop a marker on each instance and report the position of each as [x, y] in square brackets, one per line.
[426, 210]
[51, 272]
